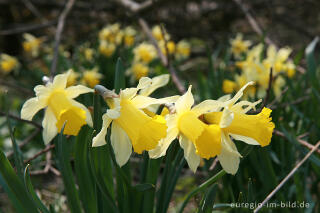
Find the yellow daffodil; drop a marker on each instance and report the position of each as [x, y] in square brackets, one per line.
[109, 33]
[157, 33]
[233, 121]
[171, 46]
[277, 59]
[183, 50]
[139, 70]
[131, 126]
[72, 77]
[290, 69]
[129, 36]
[60, 107]
[144, 52]
[31, 44]
[197, 139]
[106, 48]
[91, 77]
[8, 63]
[238, 45]
[88, 53]
[228, 86]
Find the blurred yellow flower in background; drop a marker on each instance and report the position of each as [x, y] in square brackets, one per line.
[157, 33]
[138, 70]
[8, 63]
[91, 77]
[88, 53]
[106, 48]
[239, 46]
[72, 77]
[183, 50]
[228, 86]
[129, 36]
[144, 52]
[60, 107]
[171, 46]
[31, 44]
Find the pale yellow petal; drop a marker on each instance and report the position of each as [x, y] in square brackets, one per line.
[156, 82]
[60, 81]
[207, 106]
[229, 157]
[144, 82]
[128, 93]
[190, 155]
[226, 118]
[142, 102]
[121, 144]
[75, 91]
[185, 102]
[172, 133]
[31, 107]
[245, 139]
[239, 94]
[88, 114]
[49, 126]
[100, 138]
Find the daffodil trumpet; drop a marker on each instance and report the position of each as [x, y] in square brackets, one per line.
[60, 107]
[131, 125]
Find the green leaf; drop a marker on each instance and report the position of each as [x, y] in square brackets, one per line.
[63, 154]
[14, 187]
[143, 187]
[208, 200]
[311, 62]
[33, 194]
[85, 178]
[119, 81]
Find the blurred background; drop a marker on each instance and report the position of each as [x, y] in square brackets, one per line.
[205, 30]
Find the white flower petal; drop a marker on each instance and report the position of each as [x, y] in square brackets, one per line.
[88, 114]
[172, 133]
[100, 138]
[185, 102]
[229, 157]
[226, 118]
[142, 102]
[245, 139]
[60, 81]
[121, 144]
[156, 82]
[207, 106]
[144, 82]
[190, 154]
[75, 91]
[239, 94]
[128, 93]
[49, 126]
[31, 107]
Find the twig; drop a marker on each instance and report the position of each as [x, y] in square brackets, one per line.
[254, 24]
[27, 28]
[59, 30]
[279, 97]
[135, 7]
[15, 86]
[20, 119]
[47, 149]
[33, 9]
[148, 32]
[298, 101]
[268, 89]
[25, 141]
[163, 58]
[302, 142]
[287, 177]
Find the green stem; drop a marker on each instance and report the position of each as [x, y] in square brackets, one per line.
[203, 186]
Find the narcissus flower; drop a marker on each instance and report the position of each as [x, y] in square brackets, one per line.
[131, 126]
[157, 33]
[139, 70]
[106, 48]
[31, 44]
[91, 77]
[197, 139]
[8, 63]
[233, 121]
[183, 50]
[72, 77]
[129, 36]
[60, 107]
[228, 86]
[238, 45]
[144, 52]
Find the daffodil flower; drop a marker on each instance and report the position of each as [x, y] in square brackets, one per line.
[234, 122]
[131, 126]
[60, 107]
[197, 139]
